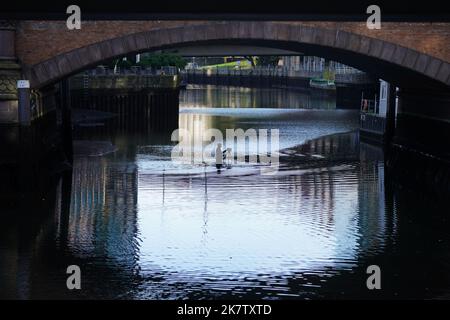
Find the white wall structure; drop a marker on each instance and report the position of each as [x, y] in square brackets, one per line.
[382, 106]
[315, 64]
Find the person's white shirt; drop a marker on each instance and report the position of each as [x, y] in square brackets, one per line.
[219, 156]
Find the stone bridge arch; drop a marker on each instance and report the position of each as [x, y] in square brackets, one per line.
[403, 66]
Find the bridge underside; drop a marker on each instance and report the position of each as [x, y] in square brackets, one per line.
[230, 50]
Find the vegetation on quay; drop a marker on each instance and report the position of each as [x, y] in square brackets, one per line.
[150, 60]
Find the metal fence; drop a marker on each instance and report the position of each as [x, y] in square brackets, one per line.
[372, 122]
[135, 81]
[344, 75]
[103, 70]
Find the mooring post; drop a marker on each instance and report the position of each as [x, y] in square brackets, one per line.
[66, 119]
[390, 114]
[164, 183]
[206, 180]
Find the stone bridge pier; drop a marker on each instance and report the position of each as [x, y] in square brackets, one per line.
[29, 155]
[10, 72]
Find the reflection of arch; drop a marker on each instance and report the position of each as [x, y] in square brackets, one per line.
[400, 65]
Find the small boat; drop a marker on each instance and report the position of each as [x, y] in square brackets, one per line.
[320, 83]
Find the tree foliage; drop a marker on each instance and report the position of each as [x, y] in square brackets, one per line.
[158, 60]
[328, 75]
[267, 60]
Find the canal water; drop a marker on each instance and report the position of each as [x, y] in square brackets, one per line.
[143, 227]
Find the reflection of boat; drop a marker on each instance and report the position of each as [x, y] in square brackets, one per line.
[183, 84]
[320, 83]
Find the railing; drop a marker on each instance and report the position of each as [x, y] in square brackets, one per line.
[353, 78]
[343, 77]
[102, 70]
[372, 122]
[347, 70]
[135, 81]
[259, 71]
[369, 106]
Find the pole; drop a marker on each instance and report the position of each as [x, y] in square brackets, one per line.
[390, 114]
[66, 117]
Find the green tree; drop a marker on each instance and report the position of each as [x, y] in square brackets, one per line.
[328, 75]
[252, 60]
[158, 60]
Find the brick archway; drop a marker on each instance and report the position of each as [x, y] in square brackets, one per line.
[409, 67]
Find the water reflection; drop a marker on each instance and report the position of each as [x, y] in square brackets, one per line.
[142, 229]
[103, 215]
[200, 96]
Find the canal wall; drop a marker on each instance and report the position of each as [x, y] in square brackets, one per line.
[419, 154]
[31, 159]
[423, 121]
[137, 101]
[149, 109]
[414, 170]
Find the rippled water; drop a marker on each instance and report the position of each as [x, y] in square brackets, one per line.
[141, 227]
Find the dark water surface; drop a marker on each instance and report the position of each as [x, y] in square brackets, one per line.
[141, 227]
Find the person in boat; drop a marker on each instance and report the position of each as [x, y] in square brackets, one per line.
[219, 156]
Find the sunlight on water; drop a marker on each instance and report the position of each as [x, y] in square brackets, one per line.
[142, 226]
